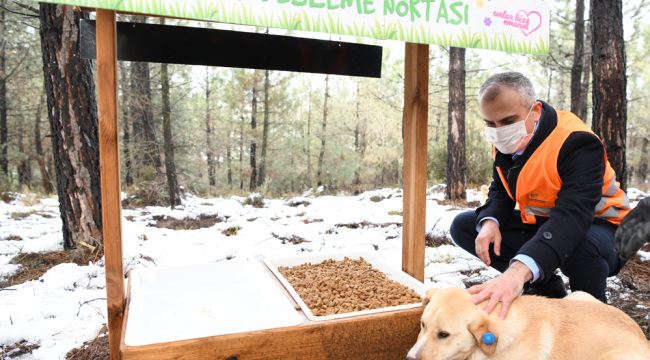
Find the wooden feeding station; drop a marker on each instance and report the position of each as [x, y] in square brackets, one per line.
[506, 25]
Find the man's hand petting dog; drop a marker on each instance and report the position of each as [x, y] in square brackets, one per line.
[489, 234]
[504, 288]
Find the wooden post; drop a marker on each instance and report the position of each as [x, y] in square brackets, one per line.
[109, 159]
[416, 106]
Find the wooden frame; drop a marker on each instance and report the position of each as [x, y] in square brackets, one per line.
[416, 111]
[380, 336]
[109, 159]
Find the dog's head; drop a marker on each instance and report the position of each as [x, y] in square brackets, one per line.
[452, 327]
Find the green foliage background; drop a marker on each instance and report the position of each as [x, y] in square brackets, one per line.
[370, 160]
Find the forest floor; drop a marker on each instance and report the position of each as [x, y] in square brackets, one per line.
[53, 303]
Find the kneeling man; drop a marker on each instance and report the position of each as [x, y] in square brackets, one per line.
[555, 168]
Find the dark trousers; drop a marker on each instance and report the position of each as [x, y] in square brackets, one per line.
[592, 261]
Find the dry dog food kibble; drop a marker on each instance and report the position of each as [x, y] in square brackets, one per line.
[338, 287]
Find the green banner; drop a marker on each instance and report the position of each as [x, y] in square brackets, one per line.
[503, 25]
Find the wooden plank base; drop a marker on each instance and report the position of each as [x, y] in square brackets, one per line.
[386, 336]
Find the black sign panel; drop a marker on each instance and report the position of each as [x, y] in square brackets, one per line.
[210, 47]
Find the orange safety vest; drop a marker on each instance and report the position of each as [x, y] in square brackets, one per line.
[539, 181]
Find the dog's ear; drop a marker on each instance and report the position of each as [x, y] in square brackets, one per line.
[479, 328]
[428, 296]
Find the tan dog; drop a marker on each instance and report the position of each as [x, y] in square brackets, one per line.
[574, 328]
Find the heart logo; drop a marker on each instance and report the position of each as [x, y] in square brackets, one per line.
[531, 20]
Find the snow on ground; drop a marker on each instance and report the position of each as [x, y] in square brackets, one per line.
[50, 310]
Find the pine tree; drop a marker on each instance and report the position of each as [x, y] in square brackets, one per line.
[578, 53]
[610, 82]
[456, 168]
[72, 111]
[323, 133]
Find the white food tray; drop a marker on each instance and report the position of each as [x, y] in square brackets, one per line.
[377, 263]
[189, 302]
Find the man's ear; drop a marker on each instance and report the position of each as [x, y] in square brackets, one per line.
[537, 110]
[480, 327]
[428, 296]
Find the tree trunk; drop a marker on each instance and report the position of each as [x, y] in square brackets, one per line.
[72, 111]
[135, 117]
[609, 82]
[143, 106]
[437, 127]
[586, 77]
[578, 52]
[228, 155]
[292, 157]
[550, 82]
[560, 94]
[309, 141]
[40, 157]
[170, 167]
[253, 182]
[456, 168]
[208, 130]
[125, 123]
[265, 130]
[4, 164]
[323, 134]
[241, 154]
[49, 166]
[24, 169]
[357, 174]
[642, 169]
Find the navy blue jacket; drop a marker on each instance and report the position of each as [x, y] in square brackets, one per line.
[581, 166]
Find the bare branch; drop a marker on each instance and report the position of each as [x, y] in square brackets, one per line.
[27, 7]
[17, 13]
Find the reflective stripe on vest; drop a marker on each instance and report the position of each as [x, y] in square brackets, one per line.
[539, 181]
[613, 211]
[537, 210]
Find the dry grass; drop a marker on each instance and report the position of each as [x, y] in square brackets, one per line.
[231, 231]
[474, 277]
[203, 221]
[21, 215]
[368, 224]
[432, 240]
[297, 203]
[293, 239]
[635, 278]
[361, 225]
[308, 221]
[396, 212]
[17, 349]
[12, 237]
[96, 349]
[459, 203]
[256, 202]
[7, 196]
[34, 265]
[151, 195]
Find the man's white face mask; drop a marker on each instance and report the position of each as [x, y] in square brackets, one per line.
[508, 139]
